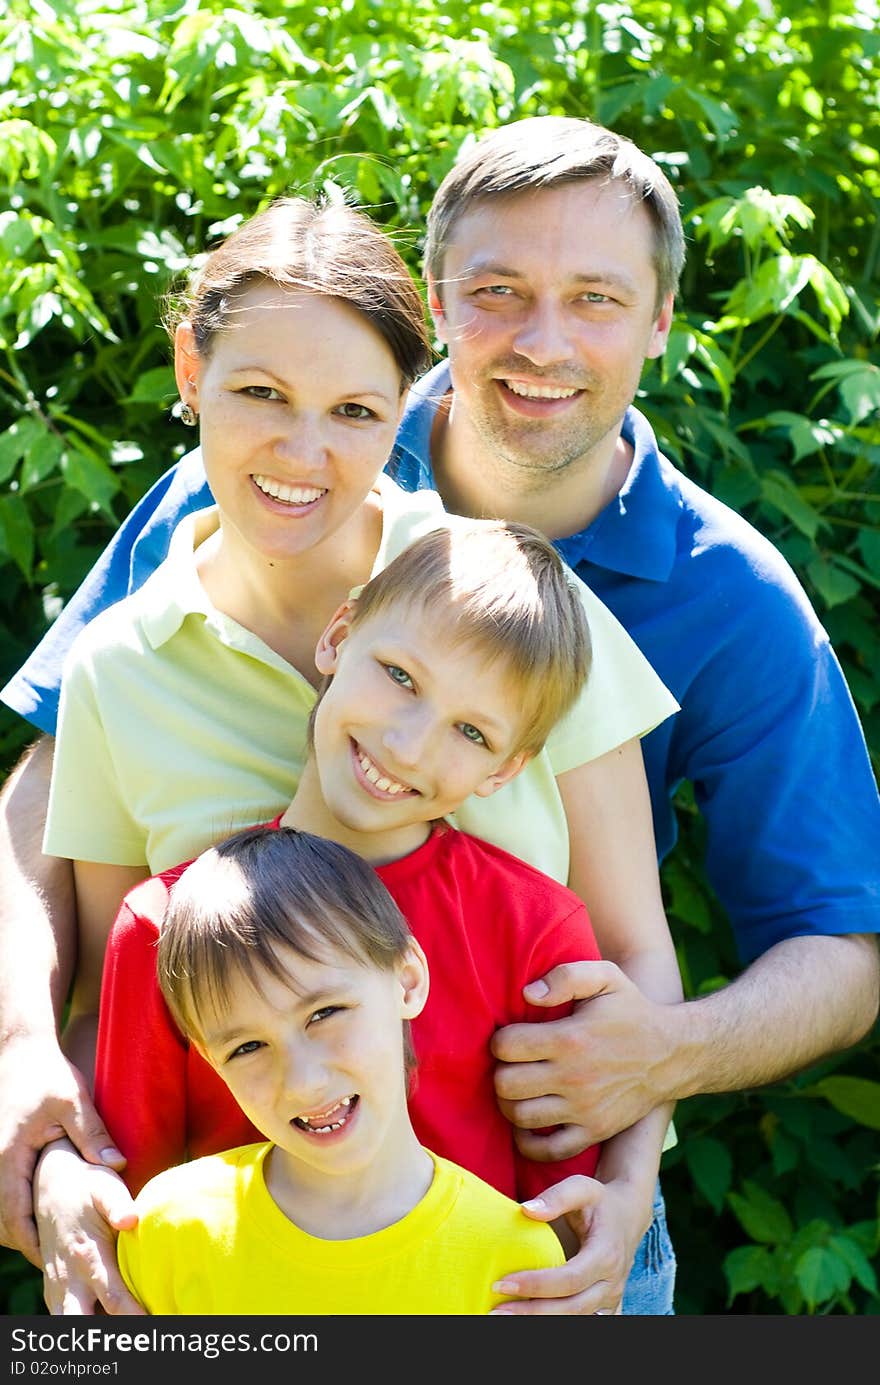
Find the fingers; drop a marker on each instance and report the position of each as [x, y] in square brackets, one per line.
[115, 1204]
[564, 1142]
[572, 981]
[18, 1229]
[88, 1132]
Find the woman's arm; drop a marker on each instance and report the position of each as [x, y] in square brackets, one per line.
[598, 1062]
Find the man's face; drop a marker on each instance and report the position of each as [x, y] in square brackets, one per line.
[548, 309]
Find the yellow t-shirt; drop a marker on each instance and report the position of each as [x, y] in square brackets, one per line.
[177, 726]
[211, 1240]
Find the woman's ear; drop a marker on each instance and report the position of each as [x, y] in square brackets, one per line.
[187, 365]
[335, 632]
[412, 973]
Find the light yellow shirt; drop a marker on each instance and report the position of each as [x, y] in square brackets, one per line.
[177, 726]
[211, 1240]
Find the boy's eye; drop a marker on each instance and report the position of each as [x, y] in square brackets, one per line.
[471, 734]
[324, 1013]
[261, 392]
[398, 675]
[250, 1046]
[356, 411]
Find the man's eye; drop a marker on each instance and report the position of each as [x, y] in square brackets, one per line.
[496, 290]
[250, 1047]
[398, 675]
[471, 733]
[261, 392]
[357, 411]
[595, 297]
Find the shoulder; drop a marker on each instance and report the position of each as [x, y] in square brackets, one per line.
[484, 1212]
[487, 873]
[184, 1193]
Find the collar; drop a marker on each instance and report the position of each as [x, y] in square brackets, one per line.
[174, 590]
[649, 504]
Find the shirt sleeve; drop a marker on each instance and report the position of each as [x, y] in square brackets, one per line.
[622, 698]
[141, 1060]
[567, 936]
[138, 547]
[88, 817]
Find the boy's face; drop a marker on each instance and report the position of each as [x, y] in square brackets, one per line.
[315, 1057]
[412, 723]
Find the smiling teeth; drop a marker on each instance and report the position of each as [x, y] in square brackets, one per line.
[538, 391]
[370, 772]
[288, 495]
[306, 1122]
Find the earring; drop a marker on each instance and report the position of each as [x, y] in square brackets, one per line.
[187, 415]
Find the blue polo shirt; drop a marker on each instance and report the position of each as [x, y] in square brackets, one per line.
[767, 733]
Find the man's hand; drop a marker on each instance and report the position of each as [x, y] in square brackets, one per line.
[608, 1230]
[79, 1209]
[594, 1073]
[44, 1097]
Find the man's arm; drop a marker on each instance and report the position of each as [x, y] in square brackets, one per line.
[41, 1094]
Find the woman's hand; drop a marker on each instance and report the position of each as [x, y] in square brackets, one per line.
[79, 1208]
[607, 1229]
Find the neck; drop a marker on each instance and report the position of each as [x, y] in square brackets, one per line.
[476, 480]
[287, 601]
[309, 812]
[344, 1207]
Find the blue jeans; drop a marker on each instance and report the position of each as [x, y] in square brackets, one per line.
[651, 1282]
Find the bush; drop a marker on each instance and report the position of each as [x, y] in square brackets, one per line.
[134, 132]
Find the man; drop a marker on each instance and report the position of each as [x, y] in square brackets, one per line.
[553, 256]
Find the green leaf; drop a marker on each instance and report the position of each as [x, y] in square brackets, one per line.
[821, 1275]
[833, 584]
[711, 1168]
[859, 384]
[778, 490]
[91, 476]
[15, 442]
[761, 1216]
[156, 386]
[855, 1097]
[856, 1261]
[748, 1268]
[17, 532]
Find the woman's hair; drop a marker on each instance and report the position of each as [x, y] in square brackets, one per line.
[502, 588]
[547, 151]
[328, 249]
[234, 911]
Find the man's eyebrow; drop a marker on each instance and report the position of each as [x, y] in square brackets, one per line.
[503, 271]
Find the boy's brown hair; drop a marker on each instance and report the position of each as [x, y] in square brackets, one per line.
[502, 588]
[261, 890]
[547, 151]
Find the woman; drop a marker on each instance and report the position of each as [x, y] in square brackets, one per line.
[184, 707]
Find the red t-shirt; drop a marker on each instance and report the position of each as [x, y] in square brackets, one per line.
[488, 923]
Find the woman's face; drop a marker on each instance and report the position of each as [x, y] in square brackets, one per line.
[299, 399]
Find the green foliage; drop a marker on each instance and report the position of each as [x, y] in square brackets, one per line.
[135, 132]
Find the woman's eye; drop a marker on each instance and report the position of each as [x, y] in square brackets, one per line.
[356, 411]
[471, 734]
[261, 392]
[398, 675]
[250, 1047]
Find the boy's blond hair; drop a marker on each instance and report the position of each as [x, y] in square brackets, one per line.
[502, 588]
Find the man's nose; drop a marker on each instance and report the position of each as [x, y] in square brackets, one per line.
[543, 337]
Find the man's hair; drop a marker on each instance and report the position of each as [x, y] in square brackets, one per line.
[502, 588]
[328, 249]
[546, 151]
[261, 890]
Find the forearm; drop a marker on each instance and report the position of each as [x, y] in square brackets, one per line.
[804, 998]
[37, 908]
